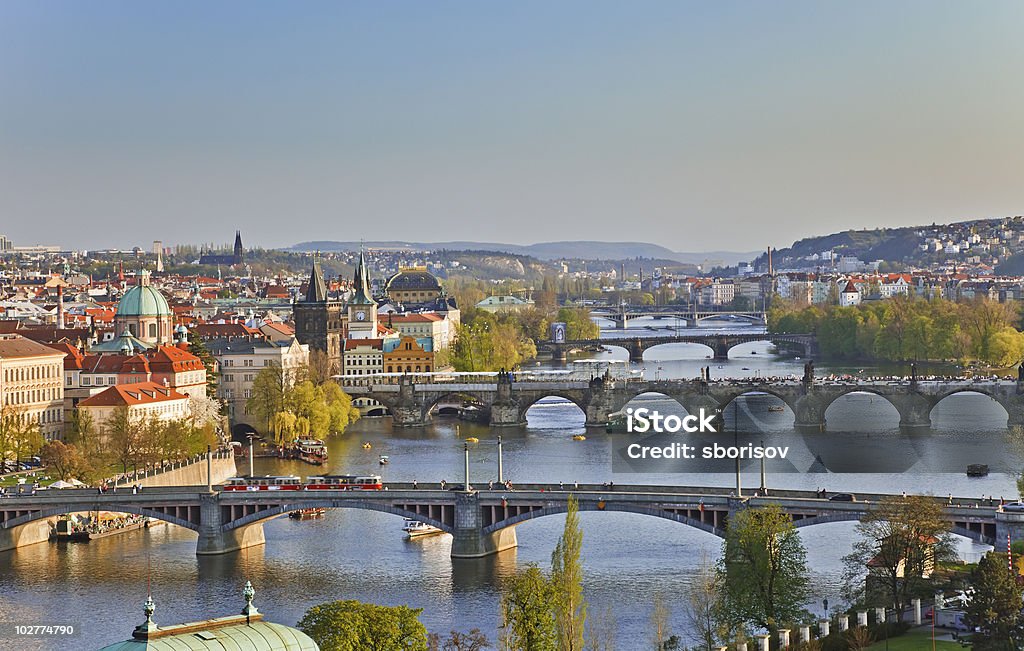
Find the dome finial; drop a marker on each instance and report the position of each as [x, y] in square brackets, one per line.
[249, 592]
[149, 625]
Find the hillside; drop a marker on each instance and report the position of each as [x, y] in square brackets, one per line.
[571, 250]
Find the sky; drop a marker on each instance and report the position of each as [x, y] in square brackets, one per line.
[694, 125]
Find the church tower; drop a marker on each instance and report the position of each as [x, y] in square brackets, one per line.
[318, 319]
[362, 309]
[239, 252]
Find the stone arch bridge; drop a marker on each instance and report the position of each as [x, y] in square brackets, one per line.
[507, 400]
[720, 344]
[481, 522]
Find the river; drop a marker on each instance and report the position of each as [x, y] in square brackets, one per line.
[628, 559]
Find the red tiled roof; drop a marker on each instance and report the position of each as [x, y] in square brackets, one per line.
[129, 395]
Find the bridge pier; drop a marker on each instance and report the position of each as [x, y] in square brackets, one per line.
[914, 410]
[213, 539]
[1011, 524]
[721, 348]
[810, 412]
[29, 533]
[468, 538]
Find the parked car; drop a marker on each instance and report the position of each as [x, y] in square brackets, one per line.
[1017, 507]
[843, 497]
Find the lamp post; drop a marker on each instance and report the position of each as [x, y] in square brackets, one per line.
[501, 469]
[250, 456]
[465, 447]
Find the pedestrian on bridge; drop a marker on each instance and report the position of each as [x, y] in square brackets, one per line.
[414, 486]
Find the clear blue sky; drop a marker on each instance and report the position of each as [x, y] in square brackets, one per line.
[697, 125]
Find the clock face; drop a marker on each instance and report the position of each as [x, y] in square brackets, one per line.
[360, 316]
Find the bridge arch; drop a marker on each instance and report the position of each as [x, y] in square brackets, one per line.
[609, 507]
[970, 391]
[52, 512]
[298, 505]
[431, 402]
[846, 393]
[706, 352]
[528, 401]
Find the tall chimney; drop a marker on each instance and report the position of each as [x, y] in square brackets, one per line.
[771, 266]
[60, 306]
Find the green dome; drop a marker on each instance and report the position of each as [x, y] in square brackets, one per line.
[143, 300]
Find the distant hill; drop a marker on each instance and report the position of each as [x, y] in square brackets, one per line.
[577, 250]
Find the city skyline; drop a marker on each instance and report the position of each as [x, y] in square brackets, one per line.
[724, 127]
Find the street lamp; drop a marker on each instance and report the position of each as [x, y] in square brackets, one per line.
[250, 455]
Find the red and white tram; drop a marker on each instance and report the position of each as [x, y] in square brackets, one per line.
[345, 483]
[285, 483]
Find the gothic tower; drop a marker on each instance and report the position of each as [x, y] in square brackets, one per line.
[318, 319]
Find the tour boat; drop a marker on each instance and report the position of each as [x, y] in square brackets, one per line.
[285, 483]
[307, 514]
[311, 451]
[345, 483]
[417, 529]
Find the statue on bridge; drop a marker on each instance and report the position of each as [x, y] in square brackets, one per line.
[809, 372]
[1020, 373]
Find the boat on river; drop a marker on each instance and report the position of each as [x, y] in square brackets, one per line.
[307, 514]
[311, 451]
[417, 529]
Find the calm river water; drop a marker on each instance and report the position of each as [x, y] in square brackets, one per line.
[350, 554]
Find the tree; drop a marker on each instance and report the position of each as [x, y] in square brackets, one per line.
[527, 618]
[901, 541]
[320, 367]
[659, 623]
[601, 631]
[199, 349]
[456, 641]
[567, 579]
[763, 569]
[124, 436]
[61, 460]
[269, 391]
[995, 606]
[354, 626]
[19, 434]
[702, 603]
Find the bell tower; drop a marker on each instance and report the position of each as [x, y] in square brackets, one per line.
[362, 309]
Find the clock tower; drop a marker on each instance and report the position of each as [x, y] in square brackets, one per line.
[362, 309]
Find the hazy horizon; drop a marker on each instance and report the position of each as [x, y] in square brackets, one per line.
[697, 126]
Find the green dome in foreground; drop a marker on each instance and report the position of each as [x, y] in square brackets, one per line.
[143, 300]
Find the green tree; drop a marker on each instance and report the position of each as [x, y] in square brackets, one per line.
[995, 606]
[763, 569]
[199, 349]
[270, 390]
[354, 626]
[567, 580]
[527, 617]
[19, 434]
[900, 542]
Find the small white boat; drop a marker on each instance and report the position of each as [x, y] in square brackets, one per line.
[384, 460]
[417, 529]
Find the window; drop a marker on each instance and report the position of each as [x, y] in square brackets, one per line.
[152, 330]
[248, 362]
[248, 393]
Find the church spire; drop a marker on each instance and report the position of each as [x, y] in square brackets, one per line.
[362, 283]
[316, 291]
